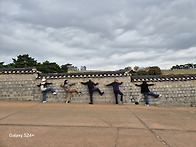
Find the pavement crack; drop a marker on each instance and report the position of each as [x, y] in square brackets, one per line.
[117, 137]
[48, 125]
[111, 126]
[151, 130]
[18, 111]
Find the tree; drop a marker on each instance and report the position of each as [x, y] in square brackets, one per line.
[1, 65]
[64, 68]
[136, 68]
[24, 61]
[185, 66]
[142, 72]
[154, 70]
[47, 67]
[175, 67]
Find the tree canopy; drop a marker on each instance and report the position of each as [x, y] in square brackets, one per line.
[185, 66]
[154, 70]
[25, 61]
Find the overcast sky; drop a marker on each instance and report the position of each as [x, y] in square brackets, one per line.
[100, 34]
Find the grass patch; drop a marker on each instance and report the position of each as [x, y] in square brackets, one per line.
[175, 72]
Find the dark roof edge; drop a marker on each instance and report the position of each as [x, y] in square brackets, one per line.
[161, 78]
[118, 73]
[30, 70]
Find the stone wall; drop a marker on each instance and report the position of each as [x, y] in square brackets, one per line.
[20, 84]
[17, 84]
[176, 90]
[100, 77]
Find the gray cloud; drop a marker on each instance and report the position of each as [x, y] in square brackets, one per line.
[100, 34]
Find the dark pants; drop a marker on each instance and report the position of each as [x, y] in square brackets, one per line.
[116, 96]
[91, 93]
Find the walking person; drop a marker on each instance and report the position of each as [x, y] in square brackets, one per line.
[69, 90]
[145, 91]
[44, 88]
[116, 90]
[91, 87]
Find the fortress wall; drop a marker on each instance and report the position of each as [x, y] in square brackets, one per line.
[176, 90]
[108, 96]
[21, 84]
[17, 85]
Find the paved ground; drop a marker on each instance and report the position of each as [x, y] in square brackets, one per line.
[100, 125]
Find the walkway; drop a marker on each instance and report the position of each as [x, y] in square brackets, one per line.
[36, 124]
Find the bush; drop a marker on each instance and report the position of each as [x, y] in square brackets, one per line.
[155, 70]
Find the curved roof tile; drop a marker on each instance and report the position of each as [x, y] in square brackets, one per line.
[152, 78]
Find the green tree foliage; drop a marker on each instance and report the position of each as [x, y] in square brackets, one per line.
[25, 61]
[49, 67]
[11, 65]
[64, 68]
[155, 70]
[142, 72]
[1, 65]
[185, 66]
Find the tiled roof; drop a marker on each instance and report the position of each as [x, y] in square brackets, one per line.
[118, 73]
[18, 71]
[154, 78]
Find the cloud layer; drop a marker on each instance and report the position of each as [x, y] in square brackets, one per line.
[105, 35]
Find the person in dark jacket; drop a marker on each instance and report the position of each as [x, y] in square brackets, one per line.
[44, 88]
[91, 87]
[116, 90]
[145, 90]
